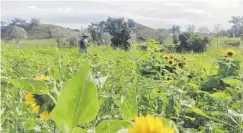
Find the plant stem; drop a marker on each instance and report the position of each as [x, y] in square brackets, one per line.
[53, 99]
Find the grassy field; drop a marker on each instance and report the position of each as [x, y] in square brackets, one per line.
[203, 96]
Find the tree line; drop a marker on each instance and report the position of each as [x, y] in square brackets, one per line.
[117, 32]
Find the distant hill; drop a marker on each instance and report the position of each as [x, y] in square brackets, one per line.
[143, 31]
[46, 31]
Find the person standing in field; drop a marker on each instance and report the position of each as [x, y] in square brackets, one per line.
[82, 44]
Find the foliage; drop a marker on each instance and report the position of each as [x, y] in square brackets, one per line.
[131, 23]
[175, 39]
[97, 30]
[192, 42]
[119, 31]
[191, 29]
[203, 96]
[161, 35]
[15, 33]
[237, 22]
[175, 29]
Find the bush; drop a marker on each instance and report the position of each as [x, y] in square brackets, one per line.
[175, 39]
[192, 42]
[15, 33]
[234, 43]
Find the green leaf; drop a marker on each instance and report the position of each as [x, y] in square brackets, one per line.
[112, 126]
[220, 96]
[28, 125]
[128, 107]
[55, 70]
[232, 82]
[211, 83]
[78, 130]
[30, 85]
[78, 102]
[218, 130]
[197, 111]
[215, 113]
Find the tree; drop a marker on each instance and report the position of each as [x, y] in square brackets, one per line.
[217, 28]
[222, 33]
[34, 23]
[191, 29]
[237, 22]
[175, 29]
[15, 33]
[192, 42]
[120, 32]
[203, 30]
[96, 30]
[175, 39]
[131, 23]
[161, 35]
[3, 23]
[18, 21]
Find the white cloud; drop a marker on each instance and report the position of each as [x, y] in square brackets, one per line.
[156, 14]
[194, 11]
[174, 4]
[33, 7]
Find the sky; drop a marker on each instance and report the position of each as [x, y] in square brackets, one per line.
[155, 14]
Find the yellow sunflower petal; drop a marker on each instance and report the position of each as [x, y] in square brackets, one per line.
[30, 101]
[44, 115]
[149, 124]
[36, 109]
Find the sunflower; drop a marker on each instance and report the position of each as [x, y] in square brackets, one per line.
[171, 57]
[181, 64]
[33, 99]
[171, 62]
[29, 98]
[149, 124]
[35, 109]
[39, 103]
[166, 57]
[185, 58]
[229, 53]
[44, 115]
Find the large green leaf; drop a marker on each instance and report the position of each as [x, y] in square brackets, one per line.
[112, 126]
[232, 82]
[78, 102]
[211, 83]
[197, 111]
[128, 106]
[78, 130]
[220, 96]
[31, 85]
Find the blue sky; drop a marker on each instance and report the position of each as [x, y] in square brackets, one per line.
[155, 14]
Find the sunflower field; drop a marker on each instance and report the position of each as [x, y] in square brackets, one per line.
[49, 90]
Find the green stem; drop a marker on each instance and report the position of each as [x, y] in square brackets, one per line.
[53, 99]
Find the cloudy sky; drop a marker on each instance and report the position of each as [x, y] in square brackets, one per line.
[155, 14]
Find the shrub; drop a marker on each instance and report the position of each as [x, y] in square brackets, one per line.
[175, 39]
[234, 43]
[15, 33]
[192, 42]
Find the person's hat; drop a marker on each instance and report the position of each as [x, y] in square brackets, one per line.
[85, 35]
